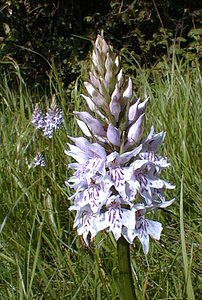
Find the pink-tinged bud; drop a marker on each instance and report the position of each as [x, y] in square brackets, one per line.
[142, 106]
[89, 102]
[96, 97]
[93, 80]
[133, 112]
[103, 88]
[98, 62]
[92, 106]
[98, 42]
[105, 47]
[90, 89]
[108, 76]
[108, 62]
[114, 105]
[84, 128]
[135, 130]
[95, 59]
[120, 78]
[113, 135]
[127, 94]
[95, 125]
[117, 62]
[101, 45]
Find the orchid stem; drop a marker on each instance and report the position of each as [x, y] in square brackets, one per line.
[126, 287]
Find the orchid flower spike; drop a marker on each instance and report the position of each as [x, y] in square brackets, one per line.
[116, 173]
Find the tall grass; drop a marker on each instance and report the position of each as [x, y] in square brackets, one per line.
[41, 256]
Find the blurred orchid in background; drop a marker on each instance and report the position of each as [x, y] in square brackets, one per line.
[52, 121]
[39, 160]
[38, 117]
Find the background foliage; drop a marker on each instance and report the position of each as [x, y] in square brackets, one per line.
[35, 32]
[44, 51]
[41, 255]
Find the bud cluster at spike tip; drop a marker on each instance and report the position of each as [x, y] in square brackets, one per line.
[117, 172]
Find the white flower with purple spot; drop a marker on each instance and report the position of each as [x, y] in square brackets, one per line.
[116, 176]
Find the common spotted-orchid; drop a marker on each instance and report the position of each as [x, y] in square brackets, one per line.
[39, 160]
[117, 171]
[52, 121]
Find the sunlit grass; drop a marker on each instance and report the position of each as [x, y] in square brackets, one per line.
[41, 256]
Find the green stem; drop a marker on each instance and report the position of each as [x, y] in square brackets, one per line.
[126, 287]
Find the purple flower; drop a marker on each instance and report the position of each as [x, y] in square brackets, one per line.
[116, 176]
[143, 228]
[39, 160]
[53, 119]
[38, 117]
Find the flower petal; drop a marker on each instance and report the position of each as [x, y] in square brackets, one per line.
[154, 229]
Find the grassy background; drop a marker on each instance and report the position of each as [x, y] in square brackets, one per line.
[41, 256]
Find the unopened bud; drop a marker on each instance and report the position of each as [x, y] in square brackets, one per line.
[133, 112]
[113, 135]
[135, 130]
[114, 105]
[95, 125]
[127, 94]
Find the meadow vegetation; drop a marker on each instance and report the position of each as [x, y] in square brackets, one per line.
[41, 256]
